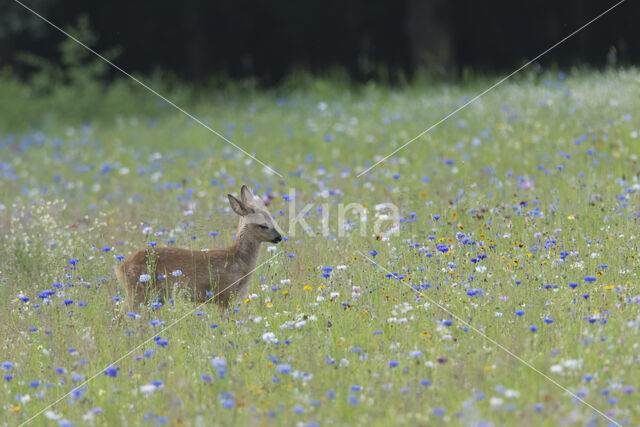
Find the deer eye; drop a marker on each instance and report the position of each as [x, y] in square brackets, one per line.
[264, 227]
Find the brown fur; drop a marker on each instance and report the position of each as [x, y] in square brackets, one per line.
[224, 272]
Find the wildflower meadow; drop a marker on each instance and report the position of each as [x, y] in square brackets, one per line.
[484, 274]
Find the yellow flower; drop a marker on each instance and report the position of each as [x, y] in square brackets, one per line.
[307, 288]
[15, 408]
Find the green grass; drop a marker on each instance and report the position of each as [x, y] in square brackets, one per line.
[80, 178]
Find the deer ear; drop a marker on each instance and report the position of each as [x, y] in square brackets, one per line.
[246, 195]
[239, 207]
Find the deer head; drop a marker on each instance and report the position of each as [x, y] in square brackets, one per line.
[255, 220]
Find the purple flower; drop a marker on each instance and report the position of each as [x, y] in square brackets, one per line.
[438, 412]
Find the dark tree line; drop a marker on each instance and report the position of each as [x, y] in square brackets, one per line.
[368, 38]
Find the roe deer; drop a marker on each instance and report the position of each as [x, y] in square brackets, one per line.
[223, 272]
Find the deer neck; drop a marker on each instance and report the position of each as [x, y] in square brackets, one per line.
[246, 247]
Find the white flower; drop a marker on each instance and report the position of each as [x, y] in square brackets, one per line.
[344, 363]
[285, 281]
[148, 389]
[481, 269]
[556, 369]
[496, 401]
[52, 415]
[176, 273]
[512, 393]
[271, 249]
[269, 337]
[145, 277]
[573, 363]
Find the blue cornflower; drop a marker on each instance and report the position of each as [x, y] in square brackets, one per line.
[284, 368]
[219, 362]
[519, 312]
[393, 363]
[111, 371]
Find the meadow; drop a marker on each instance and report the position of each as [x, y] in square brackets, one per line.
[516, 235]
